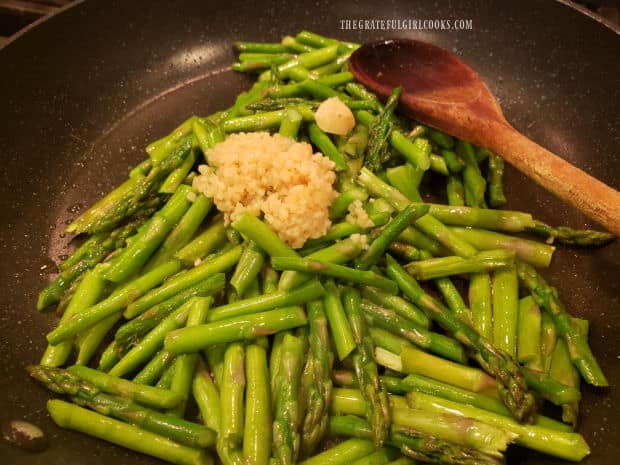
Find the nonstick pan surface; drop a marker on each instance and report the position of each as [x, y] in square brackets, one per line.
[83, 93]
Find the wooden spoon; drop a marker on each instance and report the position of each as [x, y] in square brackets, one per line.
[442, 91]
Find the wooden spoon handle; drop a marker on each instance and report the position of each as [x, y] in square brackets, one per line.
[586, 193]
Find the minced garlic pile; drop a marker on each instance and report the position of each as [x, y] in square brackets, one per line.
[274, 176]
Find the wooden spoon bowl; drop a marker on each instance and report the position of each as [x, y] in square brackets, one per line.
[442, 91]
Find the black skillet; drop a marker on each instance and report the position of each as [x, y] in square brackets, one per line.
[82, 93]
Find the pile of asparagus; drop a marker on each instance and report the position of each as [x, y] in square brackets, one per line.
[282, 350]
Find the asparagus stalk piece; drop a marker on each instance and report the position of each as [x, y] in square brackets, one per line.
[528, 337]
[132, 437]
[406, 178]
[114, 303]
[343, 453]
[154, 369]
[207, 396]
[414, 361]
[87, 294]
[89, 341]
[448, 266]
[402, 307]
[258, 422]
[565, 445]
[496, 195]
[476, 435]
[453, 298]
[240, 328]
[336, 271]
[92, 252]
[498, 220]
[388, 234]
[147, 395]
[315, 419]
[186, 363]
[249, 265]
[183, 231]
[480, 302]
[455, 191]
[134, 329]
[563, 370]
[378, 413]
[230, 434]
[344, 340]
[548, 341]
[421, 447]
[203, 244]
[338, 253]
[568, 236]
[171, 287]
[579, 350]
[512, 386]
[286, 423]
[390, 321]
[379, 132]
[306, 293]
[532, 252]
[87, 395]
[153, 341]
[505, 310]
[149, 238]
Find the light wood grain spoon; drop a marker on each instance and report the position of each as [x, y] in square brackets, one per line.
[442, 91]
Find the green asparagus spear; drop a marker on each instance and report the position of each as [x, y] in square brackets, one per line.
[378, 413]
[183, 231]
[448, 266]
[389, 320]
[388, 234]
[147, 395]
[186, 363]
[528, 336]
[114, 303]
[496, 195]
[505, 310]
[315, 419]
[343, 453]
[85, 258]
[547, 297]
[154, 369]
[87, 294]
[205, 243]
[134, 329]
[344, 340]
[150, 237]
[301, 295]
[87, 395]
[240, 328]
[379, 131]
[568, 236]
[132, 437]
[258, 423]
[480, 303]
[497, 363]
[475, 434]
[402, 307]
[182, 281]
[565, 445]
[286, 422]
[532, 252]
[422, 447]
[230, 434]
